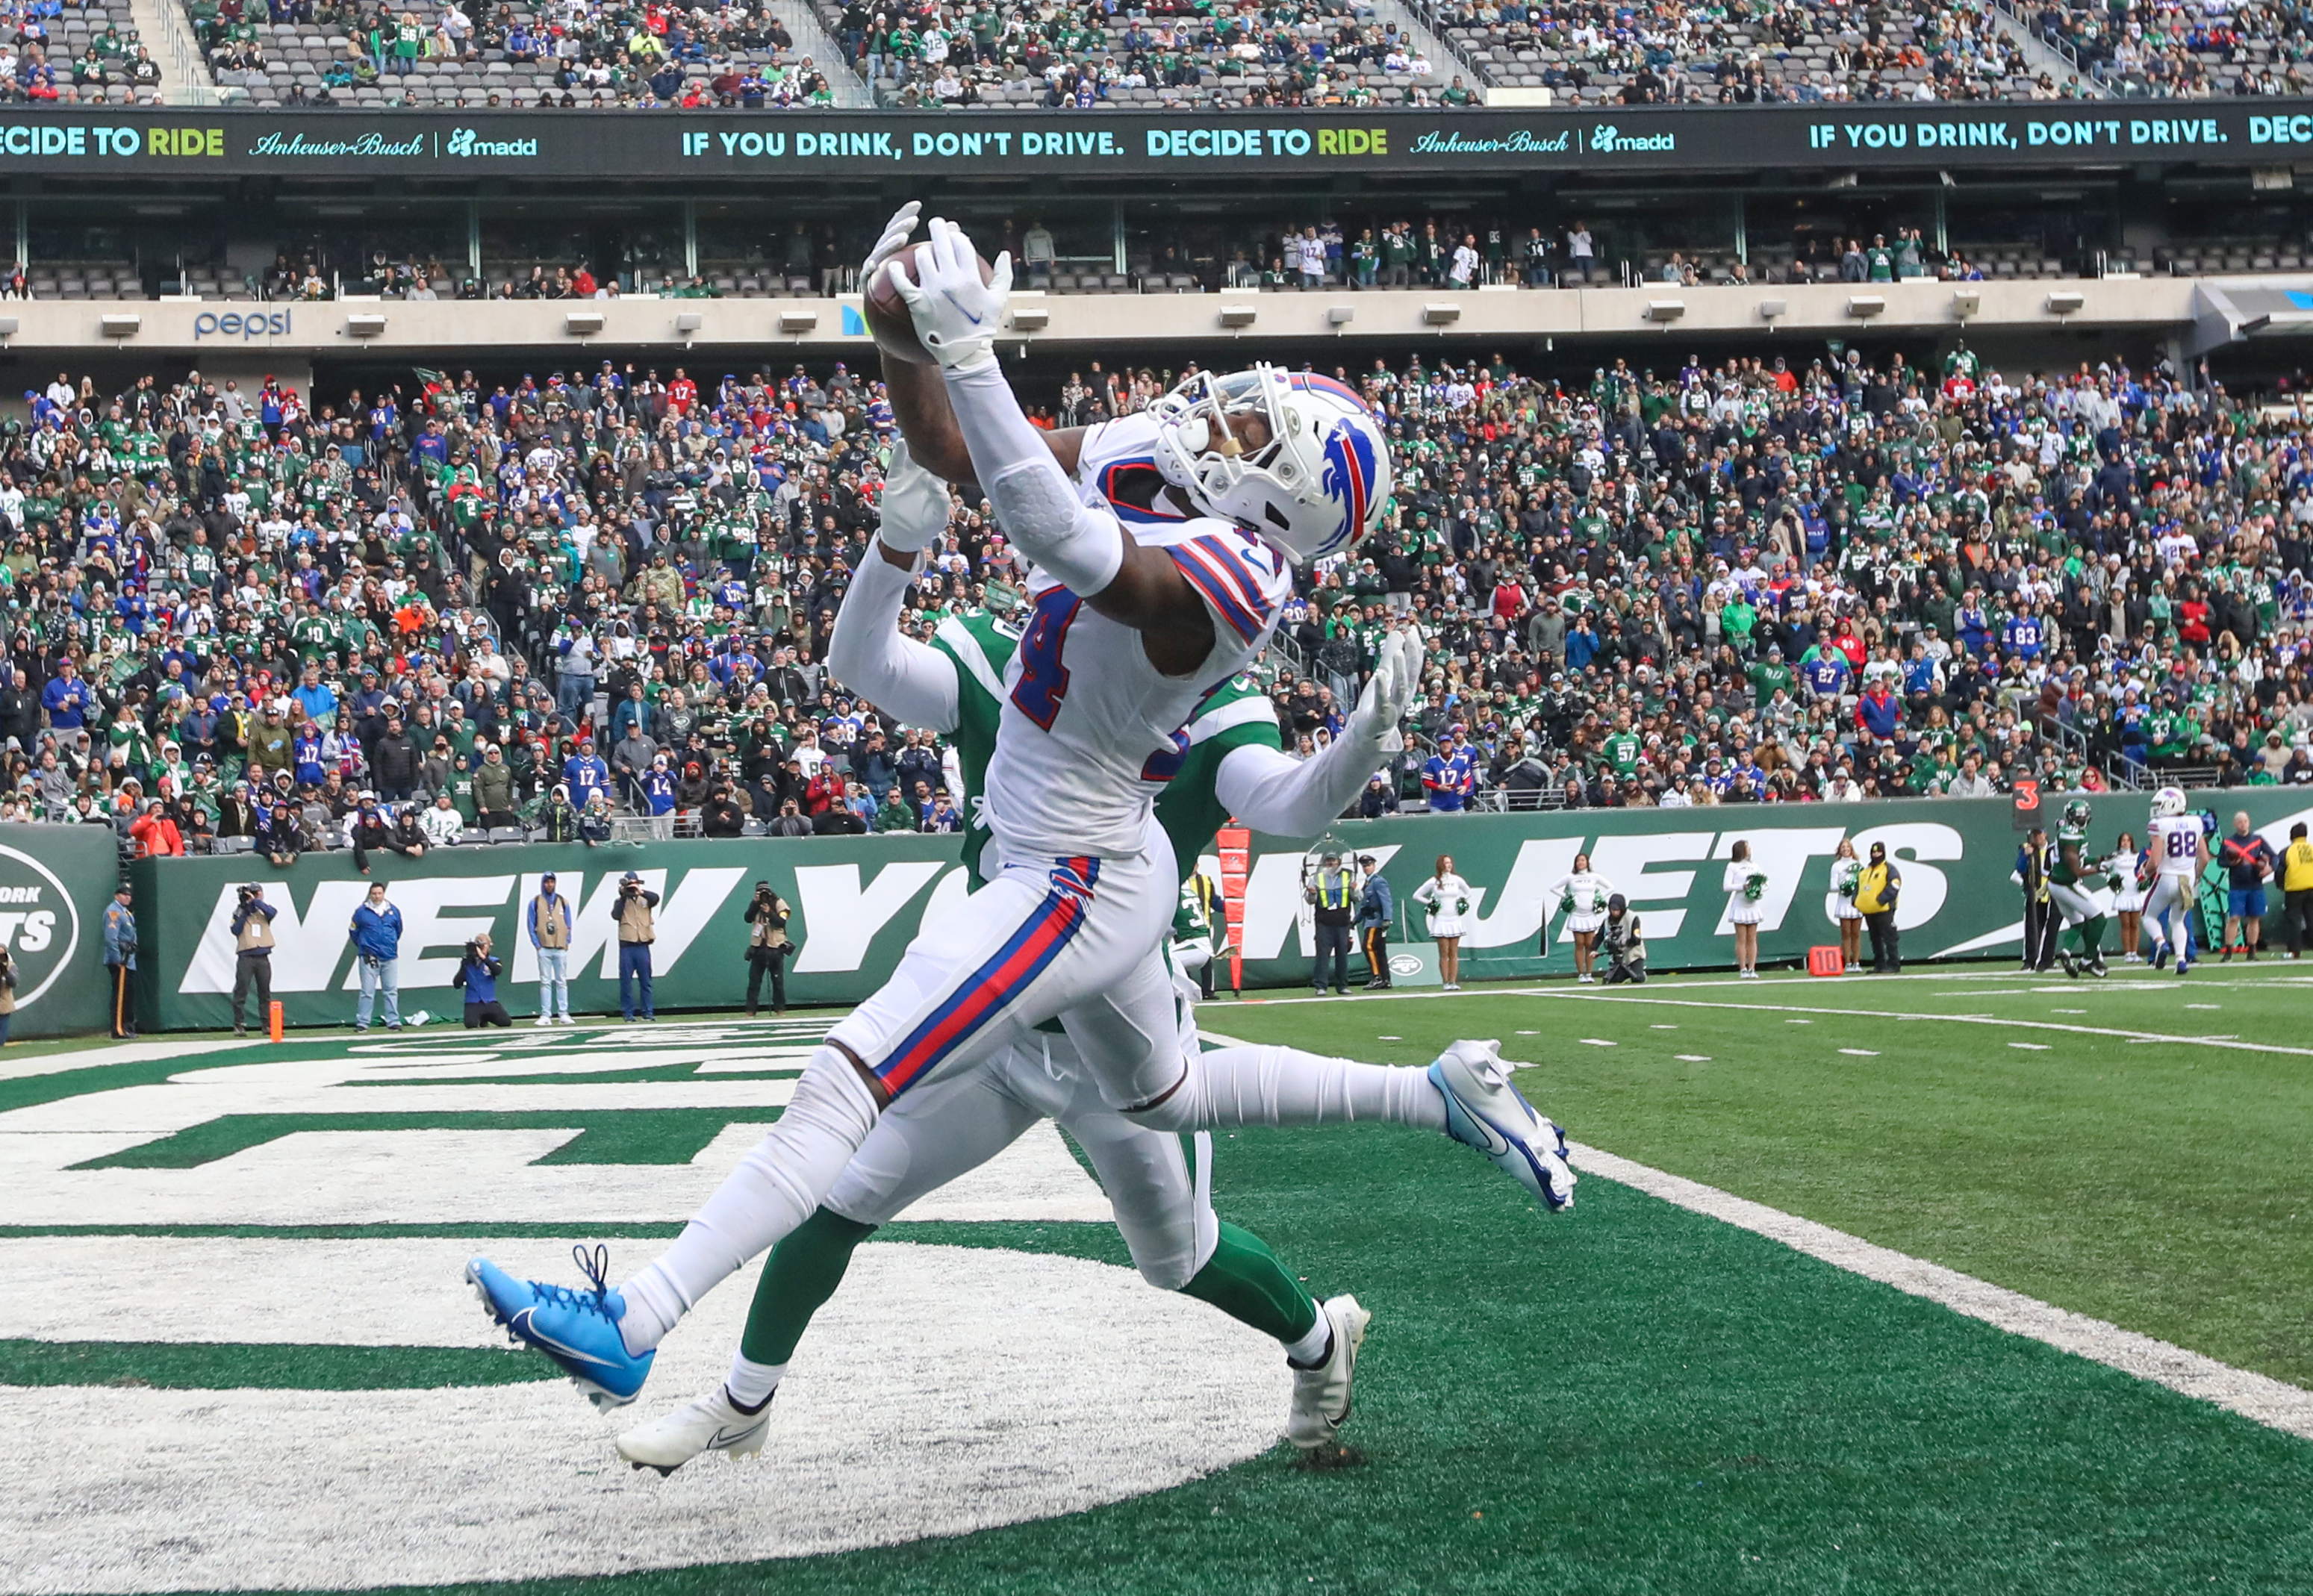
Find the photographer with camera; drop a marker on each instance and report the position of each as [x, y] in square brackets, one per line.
[120, 959]
[1623, 943]
[375, 932]
[790, 821]
[768, 948]
[478, 974]
[635, 935]
[252, 955]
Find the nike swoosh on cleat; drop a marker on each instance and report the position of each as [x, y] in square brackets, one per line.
[1498, 1143]
[521, 1326]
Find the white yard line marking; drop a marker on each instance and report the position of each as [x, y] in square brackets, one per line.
[1662, 1028]
[1798, 1022]
[1860, 1052]
[1564, 987]
[1595, 1041]
[2274, 1403]
[139, 1052]
[1691, 1058]
[2006, 1025]
[2031, 1047]
[2204, 1006]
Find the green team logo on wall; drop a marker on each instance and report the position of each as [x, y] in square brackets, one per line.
[40, 924]
[857, 903]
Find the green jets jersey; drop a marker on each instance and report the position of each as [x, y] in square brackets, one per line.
[2060, 873]
[1234, 714]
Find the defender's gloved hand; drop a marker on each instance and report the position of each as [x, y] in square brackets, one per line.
[915, 504]
[1397, 677]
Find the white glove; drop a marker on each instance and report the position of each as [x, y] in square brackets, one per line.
[915, 504]
[897, 232]
[1397, 677]
[957, 315]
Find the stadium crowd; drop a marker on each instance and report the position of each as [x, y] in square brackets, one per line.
[606, 54]
[1766, 53]
[958, 53]
[1288, 53]
[399, 619]
[51, 54]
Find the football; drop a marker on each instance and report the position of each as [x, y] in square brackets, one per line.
[887, 313]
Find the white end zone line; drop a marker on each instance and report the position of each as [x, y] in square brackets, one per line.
[1998, 1021]
[144, 1051]
[1578, 994]
[2271, 1402]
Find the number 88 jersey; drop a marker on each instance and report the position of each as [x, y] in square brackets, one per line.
[2176, 843]
[1085, 711]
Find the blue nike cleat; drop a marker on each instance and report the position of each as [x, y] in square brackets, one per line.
[578, 1330]
[1485, 1111]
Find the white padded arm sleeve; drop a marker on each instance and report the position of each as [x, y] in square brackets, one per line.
[1034, 500]
[898, 675]
[1271, 792]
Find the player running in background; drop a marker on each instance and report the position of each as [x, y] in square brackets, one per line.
[2176, 845]
[2075, 888]
[1130, 626]
[1232, 763]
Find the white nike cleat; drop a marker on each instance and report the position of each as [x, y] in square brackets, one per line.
[544, 1020]
[1320, 1396]
[706, 1424]
[1485, 1111]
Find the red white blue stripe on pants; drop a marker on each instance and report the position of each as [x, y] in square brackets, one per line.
[999, 980]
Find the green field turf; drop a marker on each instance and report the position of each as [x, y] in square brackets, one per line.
[2159, 1185]
[1637, 1398]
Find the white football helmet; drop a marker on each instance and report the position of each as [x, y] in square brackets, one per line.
[1315, 488]
[2169, 801]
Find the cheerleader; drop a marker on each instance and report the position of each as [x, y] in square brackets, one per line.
[1839, 905]
[1746, 883]
[1581, 896]
[2128, 898]
[1447, 896]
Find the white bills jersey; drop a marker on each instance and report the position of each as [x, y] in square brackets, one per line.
[1117, 472]
[1087, 716]
[2177, 845]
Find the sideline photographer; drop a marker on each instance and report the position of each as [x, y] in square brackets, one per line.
[635, 935]
[478, 975]
[768, 948]
[1623, 943]
[252, 955]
